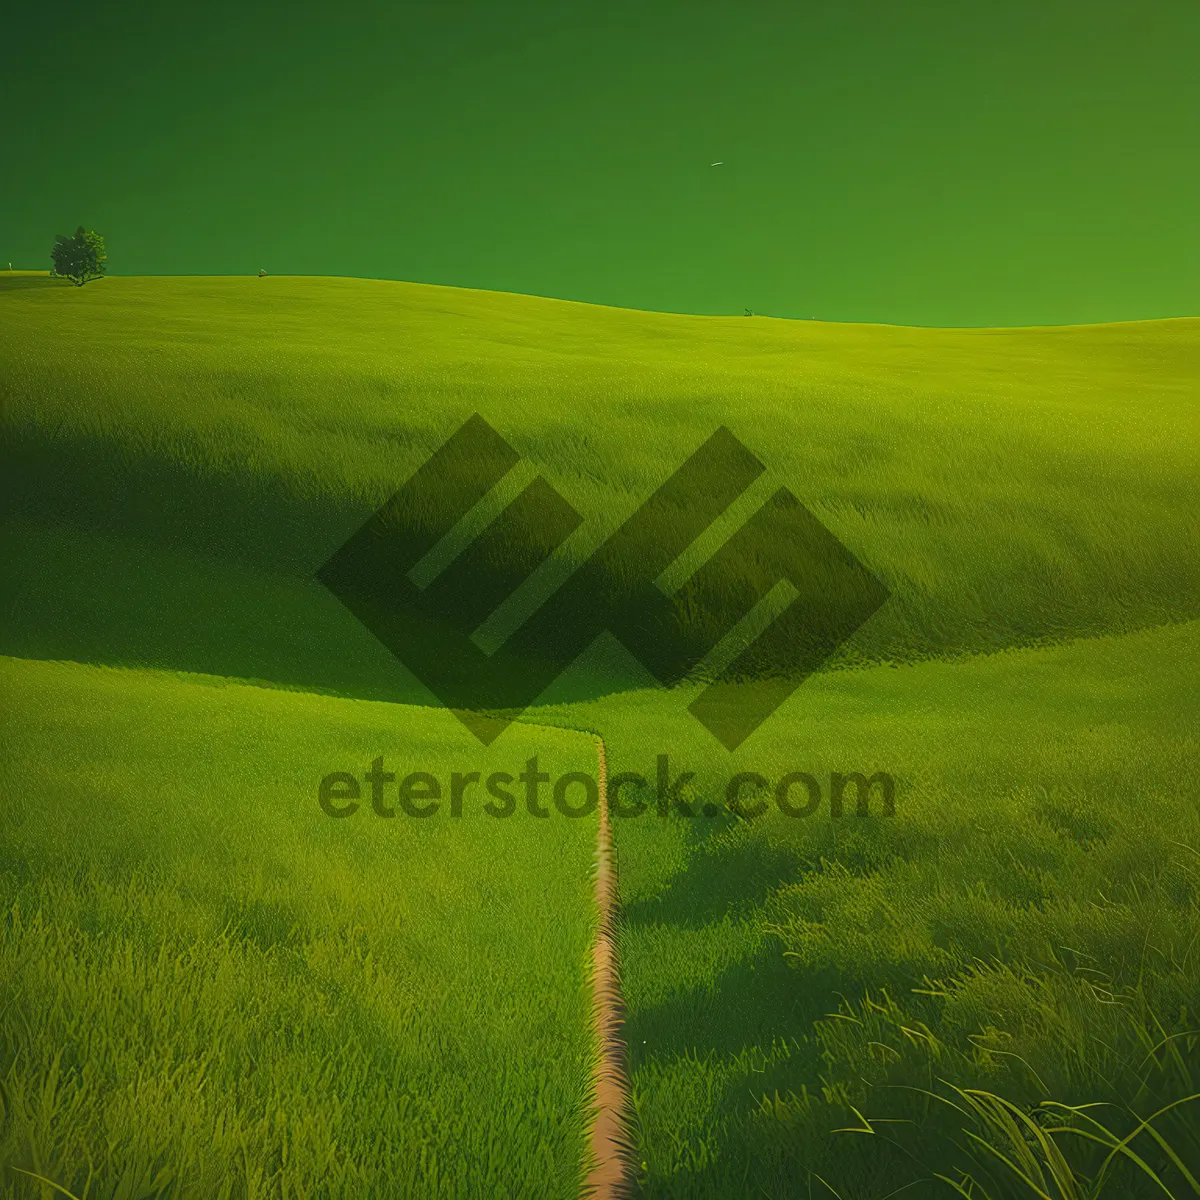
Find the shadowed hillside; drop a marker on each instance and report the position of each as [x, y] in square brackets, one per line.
[1008, 486]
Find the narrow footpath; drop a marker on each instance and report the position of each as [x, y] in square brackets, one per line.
[613, 1153]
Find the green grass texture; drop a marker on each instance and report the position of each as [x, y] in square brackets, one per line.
[1008, 486]
[949, 986]
[209, 988]
[1026, 923]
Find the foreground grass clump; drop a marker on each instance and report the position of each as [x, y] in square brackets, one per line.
[1024, 927]
[208, 988]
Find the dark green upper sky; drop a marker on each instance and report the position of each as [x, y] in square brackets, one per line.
[974, 162]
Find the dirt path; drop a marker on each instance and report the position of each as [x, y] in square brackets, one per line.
[611, 1177]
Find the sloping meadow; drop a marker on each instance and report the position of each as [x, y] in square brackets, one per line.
[181, 455]
[209, 987]
[1007, 486]
[815, 996]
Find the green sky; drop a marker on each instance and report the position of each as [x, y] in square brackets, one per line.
[966, 163]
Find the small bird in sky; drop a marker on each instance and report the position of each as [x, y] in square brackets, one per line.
[717, 164]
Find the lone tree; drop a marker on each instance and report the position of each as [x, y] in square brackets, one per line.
[79, 258]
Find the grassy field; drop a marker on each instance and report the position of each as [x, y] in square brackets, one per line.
[1009, 486]
[209, 988]
[180, 455]
[1027, 923]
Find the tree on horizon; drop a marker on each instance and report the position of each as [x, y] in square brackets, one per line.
[79, 258]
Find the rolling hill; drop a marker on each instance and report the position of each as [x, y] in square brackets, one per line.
[179, 457]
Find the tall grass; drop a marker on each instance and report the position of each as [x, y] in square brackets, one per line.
[1024, 927]
[994, 991]
[209, 988]
[1009, 486]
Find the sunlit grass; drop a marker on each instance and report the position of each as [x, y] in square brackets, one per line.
[209, 988]
[1009, 486]
[1025, 925]
[994, 990]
